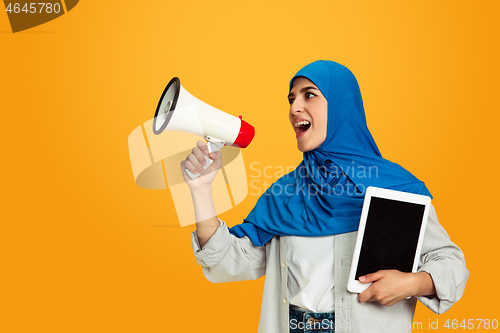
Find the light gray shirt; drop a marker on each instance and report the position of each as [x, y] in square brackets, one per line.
[227, 258]
[310, 272]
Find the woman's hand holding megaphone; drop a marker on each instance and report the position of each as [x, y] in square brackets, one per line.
[197, 161]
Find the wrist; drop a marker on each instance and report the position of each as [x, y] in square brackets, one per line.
[201, 189]
[425, 285]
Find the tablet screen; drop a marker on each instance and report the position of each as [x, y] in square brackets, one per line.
[391, 236]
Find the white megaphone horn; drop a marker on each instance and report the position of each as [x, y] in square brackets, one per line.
[178, 110]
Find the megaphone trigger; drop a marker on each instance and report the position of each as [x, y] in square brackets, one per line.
[214, 144]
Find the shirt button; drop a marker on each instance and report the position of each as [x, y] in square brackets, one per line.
[284, 300]
[282, 264]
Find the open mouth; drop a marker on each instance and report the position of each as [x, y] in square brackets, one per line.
[301, 127]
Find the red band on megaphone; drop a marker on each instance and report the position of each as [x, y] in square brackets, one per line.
[247, 132]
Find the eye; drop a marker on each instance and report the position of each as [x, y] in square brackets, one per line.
[309, 95]
[290, 101]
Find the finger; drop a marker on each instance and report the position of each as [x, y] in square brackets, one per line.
[203, 147]
[199, 155]
[194, 161]
[183, 167]
[366, 295]
[378, 297]
[394, 301]
[188, 165]
[372, 277]
[384, 300]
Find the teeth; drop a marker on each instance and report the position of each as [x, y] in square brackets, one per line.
[300, 123]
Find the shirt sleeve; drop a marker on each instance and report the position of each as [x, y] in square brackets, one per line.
[226, 257]
[445, 262]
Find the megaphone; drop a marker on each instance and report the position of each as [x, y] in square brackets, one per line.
[178, 110]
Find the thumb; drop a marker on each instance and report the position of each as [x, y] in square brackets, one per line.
[217, 157]
[371, 277]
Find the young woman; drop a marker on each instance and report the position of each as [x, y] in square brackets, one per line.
[302, 231]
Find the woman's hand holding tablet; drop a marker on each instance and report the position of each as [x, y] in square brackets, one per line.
[391, 286]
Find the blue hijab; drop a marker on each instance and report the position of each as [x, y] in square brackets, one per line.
[324, 194]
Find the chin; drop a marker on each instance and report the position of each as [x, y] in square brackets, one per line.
[308, 145]
[303, 148]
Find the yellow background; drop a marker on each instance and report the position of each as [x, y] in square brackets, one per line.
[83, 249]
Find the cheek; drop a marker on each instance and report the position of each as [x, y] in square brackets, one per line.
[322, 131]
[321, 119]
[325, 118]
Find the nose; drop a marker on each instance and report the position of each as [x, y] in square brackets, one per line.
[297, 106]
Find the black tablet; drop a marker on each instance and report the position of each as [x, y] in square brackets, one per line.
[390, 234]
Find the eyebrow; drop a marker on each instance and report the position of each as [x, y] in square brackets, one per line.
[303, 90]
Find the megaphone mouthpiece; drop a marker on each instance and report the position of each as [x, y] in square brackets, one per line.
[166, 106]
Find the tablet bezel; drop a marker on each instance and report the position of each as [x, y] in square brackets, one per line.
[354, 285]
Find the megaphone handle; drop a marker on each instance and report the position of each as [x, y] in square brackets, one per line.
[212, 146]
